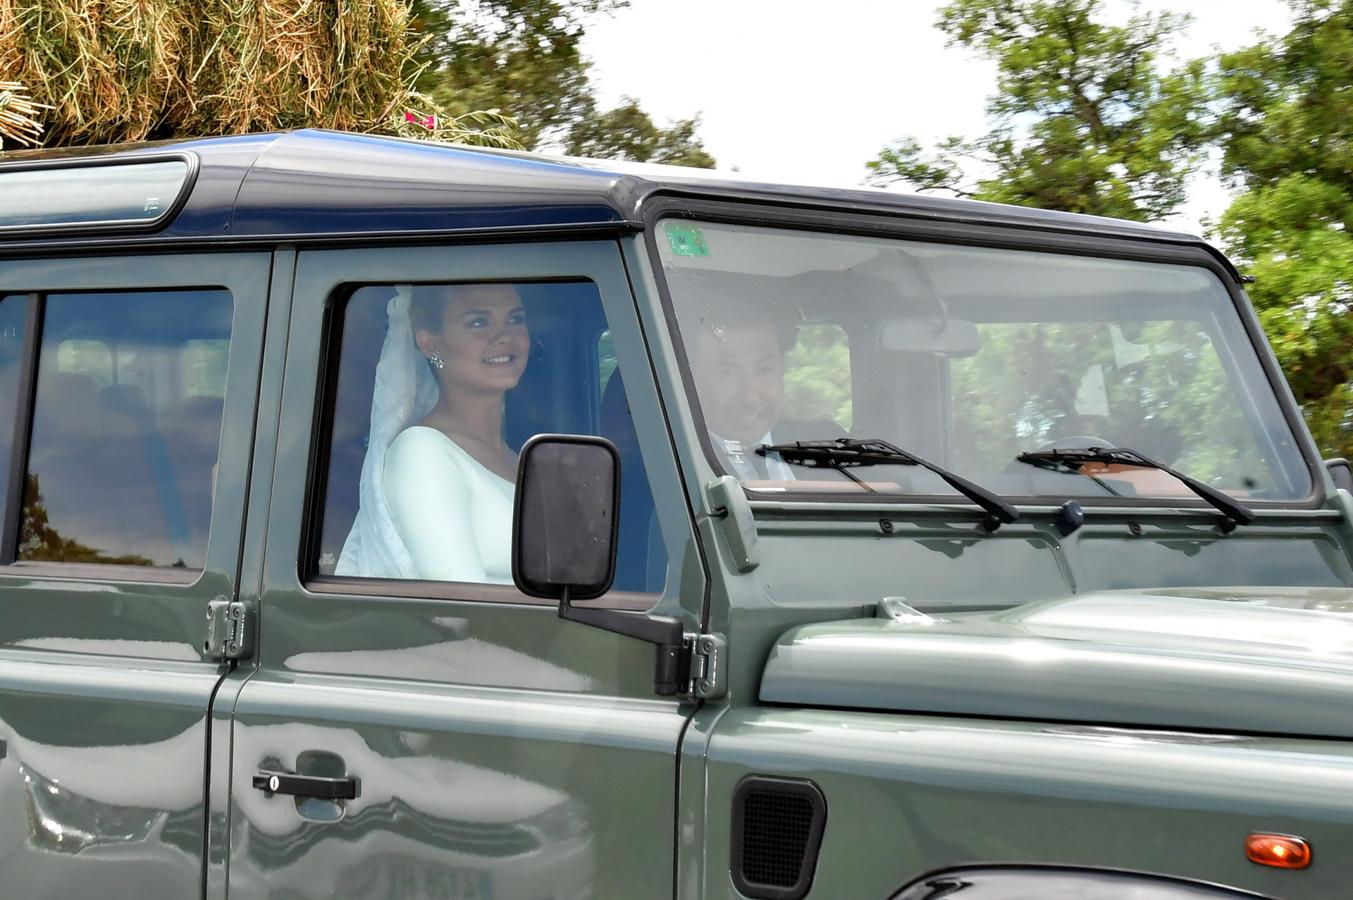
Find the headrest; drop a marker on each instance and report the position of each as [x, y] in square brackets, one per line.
[127, 399]
[68, 408]
[196, 424]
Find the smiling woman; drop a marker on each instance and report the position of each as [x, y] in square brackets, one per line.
[436, 386]
[437, 487]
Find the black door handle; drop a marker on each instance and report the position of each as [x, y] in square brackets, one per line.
[306, 785]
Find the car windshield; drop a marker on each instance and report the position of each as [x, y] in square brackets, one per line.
[970, 357]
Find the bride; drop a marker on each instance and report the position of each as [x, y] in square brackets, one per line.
[437, 482]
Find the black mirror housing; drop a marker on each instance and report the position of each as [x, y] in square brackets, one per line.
[564, 537]
[1341, 473]
[565, 516]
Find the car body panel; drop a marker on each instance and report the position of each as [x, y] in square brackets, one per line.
[104, 686]
[498, 749]
[911, 794]
[323, 184]
[1273, 661]
[503, 752]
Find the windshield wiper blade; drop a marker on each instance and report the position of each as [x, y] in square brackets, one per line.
[1075, 457]
[846, 453]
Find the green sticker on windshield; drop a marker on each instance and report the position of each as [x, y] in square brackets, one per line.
[686, 240]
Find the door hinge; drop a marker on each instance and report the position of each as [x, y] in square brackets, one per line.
[230, 630]
[708, 667]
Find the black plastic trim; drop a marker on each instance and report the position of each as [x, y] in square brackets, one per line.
[318, 786]
[798, 787]
[1340, 472]
[321, 433]
[23, 430]
[135, 226]
[996, 881]
[545, 589]
[312, 241]
[998, 235]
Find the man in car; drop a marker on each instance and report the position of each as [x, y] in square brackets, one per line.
[738, 360]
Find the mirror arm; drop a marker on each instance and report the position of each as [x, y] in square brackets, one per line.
[672, 666]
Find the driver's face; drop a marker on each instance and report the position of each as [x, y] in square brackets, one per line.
[740, 376]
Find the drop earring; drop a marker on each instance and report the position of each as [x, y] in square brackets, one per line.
[436, 360]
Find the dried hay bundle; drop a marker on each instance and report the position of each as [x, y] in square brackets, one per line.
[18, 115]
[127, 70]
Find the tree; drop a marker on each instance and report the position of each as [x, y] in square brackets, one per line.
[39, 540]
[180, 68]
[524, 57]
[521, 56]
[1083, 120]
[629, 133]
[1287, 135]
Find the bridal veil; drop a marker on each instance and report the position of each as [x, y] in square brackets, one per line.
[404, 394]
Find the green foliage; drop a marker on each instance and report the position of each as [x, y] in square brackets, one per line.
[524, 58]
[629, 133]
[38, 540]
[817, 375]
[1287, 135]
[1083, 121]
[520, 56]
[1158, 387]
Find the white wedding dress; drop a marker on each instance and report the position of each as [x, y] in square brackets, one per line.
[453, 515]
[426, 508]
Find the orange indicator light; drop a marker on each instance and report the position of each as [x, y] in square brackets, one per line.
[1283, 851]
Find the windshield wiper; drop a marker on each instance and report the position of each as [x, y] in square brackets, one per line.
[1074, 457]
[846, 453]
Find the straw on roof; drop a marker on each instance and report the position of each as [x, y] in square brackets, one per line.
[18, 116]
[128, 70]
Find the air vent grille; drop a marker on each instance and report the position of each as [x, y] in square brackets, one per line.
[777, 829]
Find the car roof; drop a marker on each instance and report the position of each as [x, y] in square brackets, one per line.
[315, 184]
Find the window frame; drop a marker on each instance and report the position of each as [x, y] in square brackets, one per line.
[584, 266]
[105, 226]
[1034, 238]
[244, 276]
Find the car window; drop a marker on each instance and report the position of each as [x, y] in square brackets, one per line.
[436, 388]
[971, 357]
[1156, 384]
[125, 429]
[817, 375]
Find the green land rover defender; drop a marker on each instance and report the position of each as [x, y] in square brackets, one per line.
[385, 519]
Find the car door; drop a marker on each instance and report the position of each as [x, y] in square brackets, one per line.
[122, 497]
[435, 736]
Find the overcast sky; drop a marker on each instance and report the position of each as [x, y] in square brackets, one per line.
[809, 91]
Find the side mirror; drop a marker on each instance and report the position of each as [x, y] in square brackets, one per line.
[1341, 472]
[564, 522]
[564, 537]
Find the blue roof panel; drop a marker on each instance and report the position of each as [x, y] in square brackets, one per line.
[310, 182]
